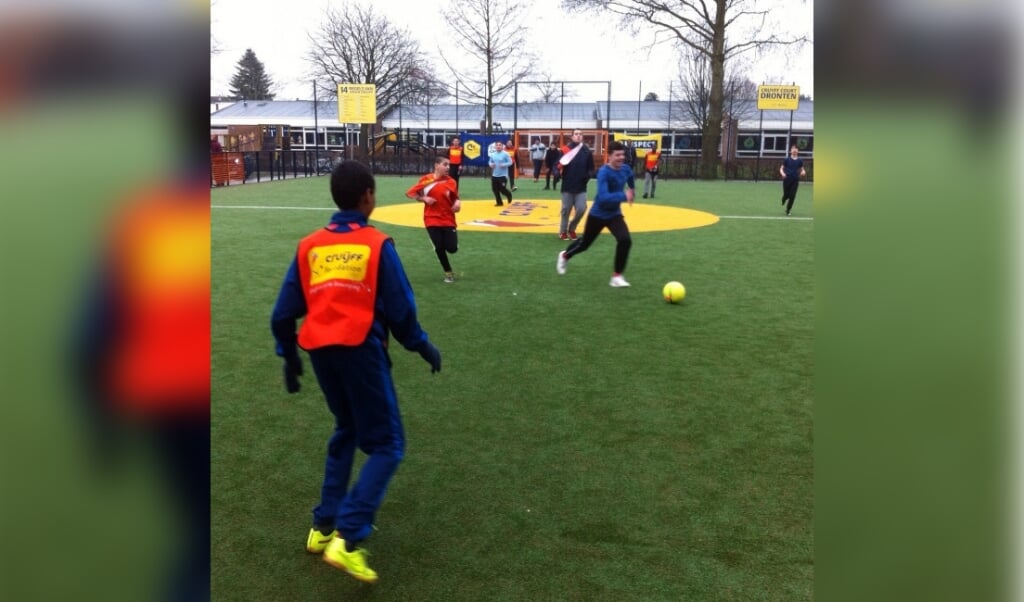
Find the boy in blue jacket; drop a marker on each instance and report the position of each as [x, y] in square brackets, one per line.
[348, 282]
[615, 184]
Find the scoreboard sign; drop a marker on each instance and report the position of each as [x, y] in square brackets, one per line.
[357, 103]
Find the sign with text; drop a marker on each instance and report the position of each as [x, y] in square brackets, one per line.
[786, 98]
[642, 144]
[357, 103]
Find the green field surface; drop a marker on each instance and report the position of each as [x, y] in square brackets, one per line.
[581, 443]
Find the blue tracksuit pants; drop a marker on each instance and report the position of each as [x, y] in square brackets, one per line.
[357, 384]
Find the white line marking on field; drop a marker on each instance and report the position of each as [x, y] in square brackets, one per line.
[273, 207]
[780, 217]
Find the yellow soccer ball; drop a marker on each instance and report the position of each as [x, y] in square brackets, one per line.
[673, 292]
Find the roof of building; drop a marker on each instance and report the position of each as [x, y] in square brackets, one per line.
[505, 113]
[652, 114]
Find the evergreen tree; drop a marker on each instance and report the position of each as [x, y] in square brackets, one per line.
[251, 81]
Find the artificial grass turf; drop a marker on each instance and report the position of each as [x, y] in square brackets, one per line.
[581, 442]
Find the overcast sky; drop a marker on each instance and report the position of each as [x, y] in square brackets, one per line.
[573, 47]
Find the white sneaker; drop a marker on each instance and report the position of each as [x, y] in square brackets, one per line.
[562, 263]
[618, 282]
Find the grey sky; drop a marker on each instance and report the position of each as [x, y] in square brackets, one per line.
[572, 47]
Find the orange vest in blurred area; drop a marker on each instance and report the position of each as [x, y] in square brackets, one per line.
[160, 361]
[651, 160]
[338, 272]
[455, 155]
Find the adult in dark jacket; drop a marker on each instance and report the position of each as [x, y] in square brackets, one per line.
[551, 158]
[576, 167]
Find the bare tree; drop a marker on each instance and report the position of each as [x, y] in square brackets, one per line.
[694, 81]
[355, 44]
[484, 33]
[738, 87]
[215, 47]
[549, 91]
[701, 25]
[552, 91]
[695, 87]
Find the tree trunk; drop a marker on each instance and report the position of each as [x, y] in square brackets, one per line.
[364, 138]
[709, 160]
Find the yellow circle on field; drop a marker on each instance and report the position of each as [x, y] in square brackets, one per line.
[543, 216]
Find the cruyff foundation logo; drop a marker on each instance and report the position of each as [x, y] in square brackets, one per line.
[471, 149]
[518, 209]
[338, 262]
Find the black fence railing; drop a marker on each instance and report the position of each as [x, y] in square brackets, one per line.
[232, 168]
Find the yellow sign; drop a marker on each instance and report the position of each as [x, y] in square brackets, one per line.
[338, 262]
[357, 103]
[786, 98]
[642, 144]
[472, 149]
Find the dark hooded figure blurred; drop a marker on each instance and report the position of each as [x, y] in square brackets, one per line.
[142, 353]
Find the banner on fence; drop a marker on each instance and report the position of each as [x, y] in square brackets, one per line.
[642, 144]
[476, 147]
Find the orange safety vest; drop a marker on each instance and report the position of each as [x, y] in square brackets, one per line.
[338, 273]
[159, 363]
[651, 161]
[455, 155]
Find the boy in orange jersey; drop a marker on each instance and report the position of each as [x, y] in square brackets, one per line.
[440, 197]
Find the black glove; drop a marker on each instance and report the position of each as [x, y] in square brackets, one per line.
[432, 356]
[292, 372]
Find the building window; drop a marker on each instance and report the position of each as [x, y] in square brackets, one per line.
[747, 144]
[774, 143]
[681, 143]
[804, 143]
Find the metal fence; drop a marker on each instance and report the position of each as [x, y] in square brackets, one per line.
[233, 168]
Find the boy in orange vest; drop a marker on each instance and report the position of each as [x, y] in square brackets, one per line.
[510, 148]
[348, 282]
[651, 171]
[455, 159]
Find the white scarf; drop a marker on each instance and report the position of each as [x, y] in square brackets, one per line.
[569, 156]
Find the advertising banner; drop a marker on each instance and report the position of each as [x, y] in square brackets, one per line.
[476, 147]
[641, 143]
